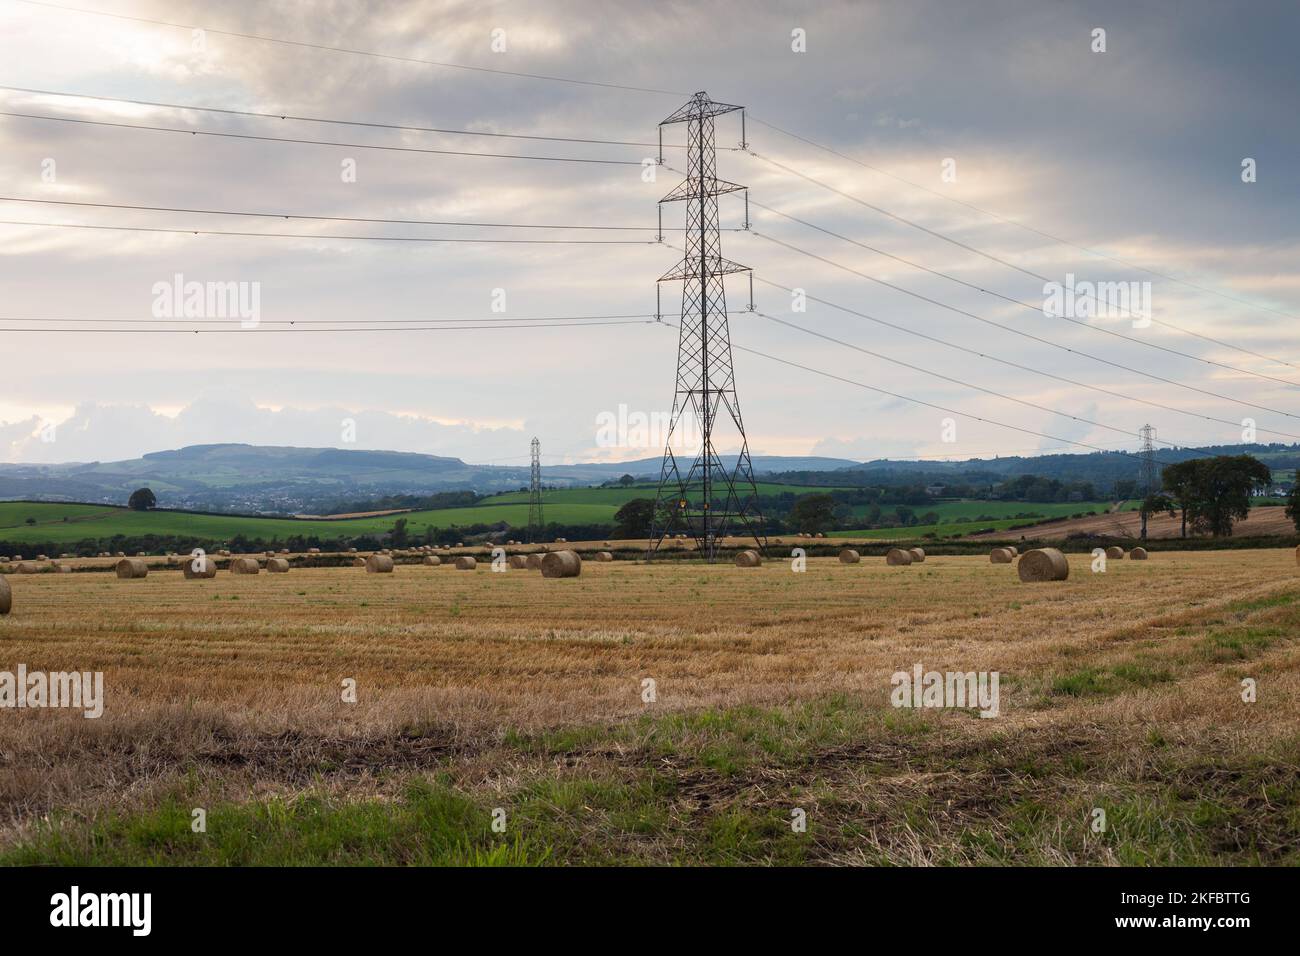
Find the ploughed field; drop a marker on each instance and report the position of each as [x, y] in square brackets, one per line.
[508, 697]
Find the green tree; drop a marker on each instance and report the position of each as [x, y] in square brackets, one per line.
[633, 519]
[399, 536]
[142, 499]
[813, 514]
[1156, 504]
[1293, 504]
[626, 480]
[1221, 491]
[1179, 481]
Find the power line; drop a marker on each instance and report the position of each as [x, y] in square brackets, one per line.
[1029, 335]
[320, 142]
[1046, 235]
[484, 320]
[922, 402]
[978, 288]
[354, 52]
[320, 218]
[368, 124]
[1016, 365]
[1011, 265]
[963, 384]
[258, 330]
[301, 235]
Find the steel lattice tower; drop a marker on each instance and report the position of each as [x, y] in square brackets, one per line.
[1150, 473]
[709, 500]
[535, 522]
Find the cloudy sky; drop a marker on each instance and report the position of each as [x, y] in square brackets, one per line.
[961, 116]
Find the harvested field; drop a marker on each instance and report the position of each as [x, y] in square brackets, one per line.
[1118, 690]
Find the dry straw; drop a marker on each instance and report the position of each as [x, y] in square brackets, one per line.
[432, 560]
[207, 565]
[28, 568]
[1012, 549]
[132, 568]
[749, 559]
[534, 562]
[1114, 552]
[604, 556]
[898, 556]
[849, 556]
[1043, 564]
[1001, 556]
[359, 563]
[379, 564]
[277, 566]
[466, 563]
[561, 564]
[518, 561]
[918, 556]
[243, 566]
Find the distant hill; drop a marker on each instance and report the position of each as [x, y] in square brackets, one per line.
[252, 479]
[282, 479]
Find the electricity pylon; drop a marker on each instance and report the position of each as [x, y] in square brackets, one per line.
[1150, 473]
[710, 499]
[535, 522]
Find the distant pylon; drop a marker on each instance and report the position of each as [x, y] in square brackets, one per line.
[1150, 472]
[535, 522]
[710, 499]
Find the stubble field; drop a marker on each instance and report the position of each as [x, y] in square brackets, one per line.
[484, 697]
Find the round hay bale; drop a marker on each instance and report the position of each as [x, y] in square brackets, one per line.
[898, 556]
[561, 564]
[466, 563]
[604, 556]
[748, 559]
[244, 566]
[534, 562]
[1043, 564]
[42, 557]
[309, 551]
[284, 550]
[19, 557]
[207, 568]
[359, 563]
[849, 556]
[518, 561]
[1014, 552]
[432, 560]
[918, 555]
[1001, 556]
[132, 568]
[6, 597]
[1114, 553]
[1140, 554]
[277, 566]
[28, 567]
[122, 554]
[379, 564]
[63, 569]
[268, 554]
[225, 553]
[352, 550]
